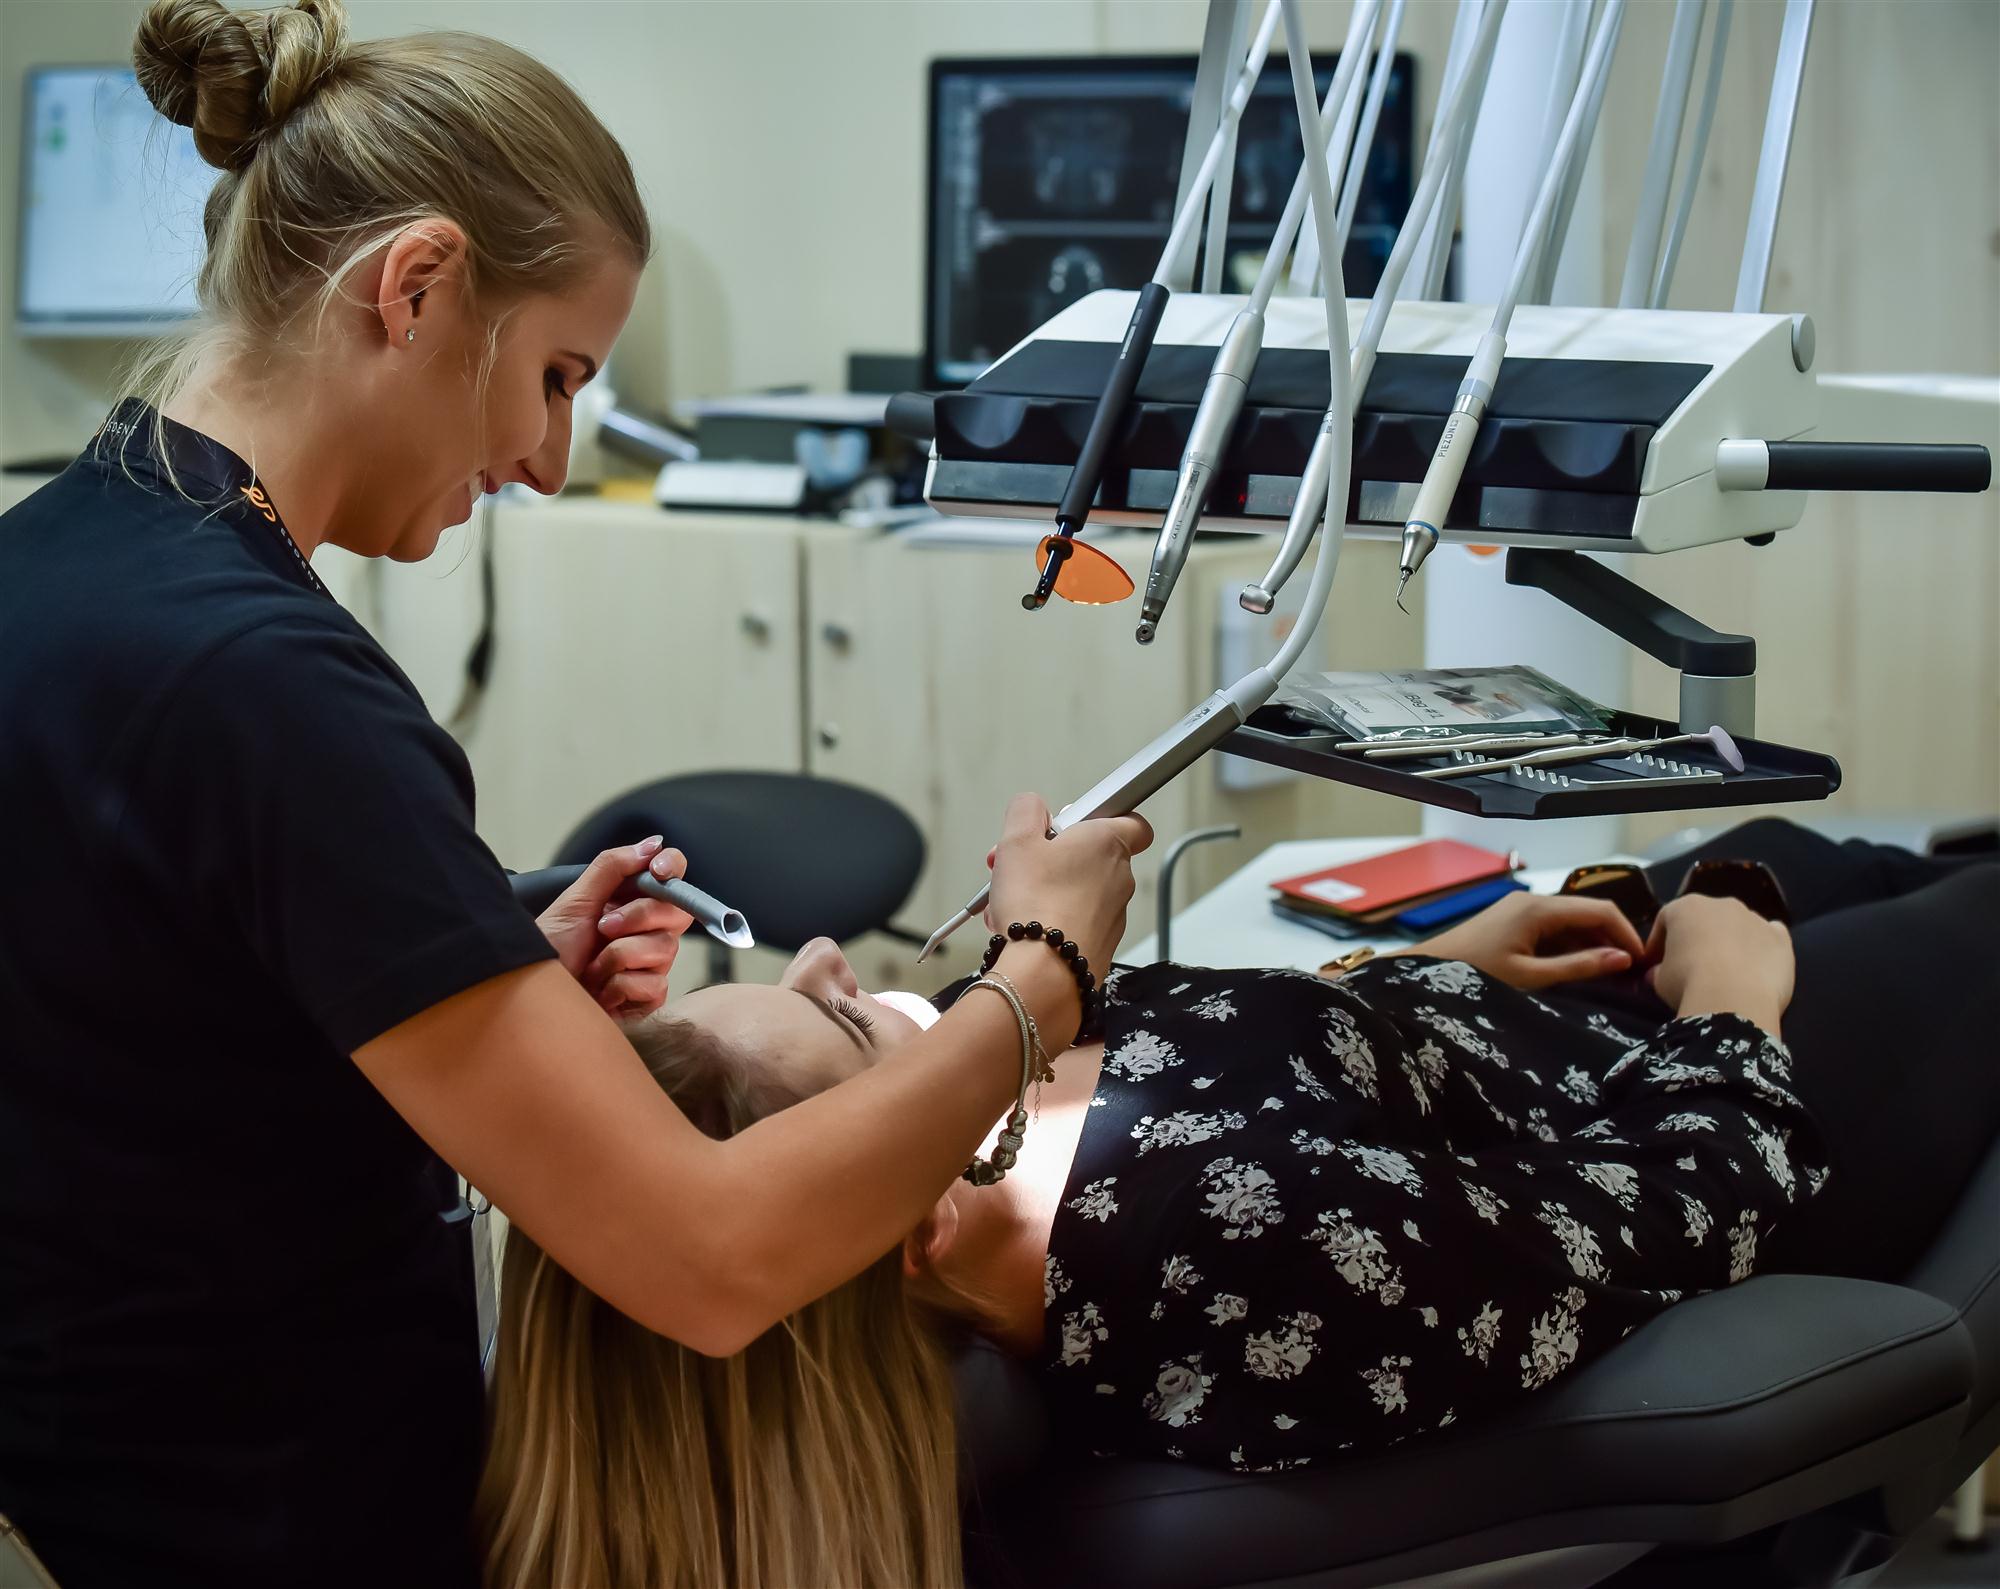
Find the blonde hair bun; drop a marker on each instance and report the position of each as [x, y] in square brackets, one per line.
[234, 76]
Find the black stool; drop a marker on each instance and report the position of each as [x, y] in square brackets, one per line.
[801, 857]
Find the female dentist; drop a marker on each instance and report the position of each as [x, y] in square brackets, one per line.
[260, 981]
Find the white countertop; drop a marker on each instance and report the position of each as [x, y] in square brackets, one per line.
[1233, 925]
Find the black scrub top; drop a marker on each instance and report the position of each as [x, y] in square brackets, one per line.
[237, 1338]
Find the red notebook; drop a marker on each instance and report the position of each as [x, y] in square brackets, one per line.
[1435, 866]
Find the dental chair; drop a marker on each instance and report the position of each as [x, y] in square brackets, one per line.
[1786, 1433]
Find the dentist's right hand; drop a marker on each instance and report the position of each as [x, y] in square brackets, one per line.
[1079, 881]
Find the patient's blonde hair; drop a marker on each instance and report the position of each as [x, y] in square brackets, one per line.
[329, 148]
[821, 1455]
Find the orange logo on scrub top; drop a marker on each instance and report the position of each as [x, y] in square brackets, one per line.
[260, 502]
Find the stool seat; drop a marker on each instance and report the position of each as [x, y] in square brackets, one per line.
[801, 857]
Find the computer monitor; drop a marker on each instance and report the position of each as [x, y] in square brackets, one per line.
[1053, 177]
[111, 202]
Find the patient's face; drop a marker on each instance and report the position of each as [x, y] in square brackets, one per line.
[817, 1016]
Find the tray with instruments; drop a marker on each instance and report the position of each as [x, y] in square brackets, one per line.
[1627, 768]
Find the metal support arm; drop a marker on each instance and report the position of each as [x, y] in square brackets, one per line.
[1718, 671]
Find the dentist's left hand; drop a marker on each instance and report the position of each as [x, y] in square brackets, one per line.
[620, 944]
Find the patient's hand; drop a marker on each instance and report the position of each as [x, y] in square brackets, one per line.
[1720, 955]
[1537, 940]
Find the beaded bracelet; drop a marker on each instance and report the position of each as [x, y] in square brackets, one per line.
[1086, 984]
[985, 1172]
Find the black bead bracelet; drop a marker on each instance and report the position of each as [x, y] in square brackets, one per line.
[1066, 949]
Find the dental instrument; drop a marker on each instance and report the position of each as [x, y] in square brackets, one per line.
[1676, 83]
[722, 922]
[1715, 737]
[1116, 397]
[1454, 125]
[1156, 764]
[1704, 121]
[1454, 447]
[1444, 230]
[1485, 745]
[1229, 376]
[1304, 275]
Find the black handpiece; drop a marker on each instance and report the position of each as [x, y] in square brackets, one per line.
[1081, 491]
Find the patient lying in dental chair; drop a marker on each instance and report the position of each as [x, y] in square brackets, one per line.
[1274, 1217]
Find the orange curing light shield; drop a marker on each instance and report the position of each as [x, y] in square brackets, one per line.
[1083, 573]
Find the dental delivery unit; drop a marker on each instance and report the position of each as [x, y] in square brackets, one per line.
[1549, 430]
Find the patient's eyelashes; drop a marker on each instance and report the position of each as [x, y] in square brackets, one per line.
[857, 1015]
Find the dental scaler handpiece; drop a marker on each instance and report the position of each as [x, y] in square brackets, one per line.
[1214, 419]
[1145, 772]
[1461, 426]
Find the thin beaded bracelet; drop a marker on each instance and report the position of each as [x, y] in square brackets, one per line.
[985, 1172]
[1090, 1028]
[1045, 1068]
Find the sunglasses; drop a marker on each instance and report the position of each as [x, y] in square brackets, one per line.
[1627, 887]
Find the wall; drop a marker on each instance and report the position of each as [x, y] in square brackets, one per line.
[780, 144]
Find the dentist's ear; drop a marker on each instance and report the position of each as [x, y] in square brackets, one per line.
[926, 1246]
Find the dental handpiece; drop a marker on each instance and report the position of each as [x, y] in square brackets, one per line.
[538, 889]
[1461, 426]
[1208, 439]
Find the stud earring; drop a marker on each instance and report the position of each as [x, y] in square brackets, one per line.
[410, 335]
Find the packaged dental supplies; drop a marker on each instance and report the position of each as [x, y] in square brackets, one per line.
[1441, 703]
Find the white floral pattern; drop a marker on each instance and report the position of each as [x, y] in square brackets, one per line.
[1177, 1393]
[1226, 1309]
[1478, 1338]
[1284, 1353]
[1357, 1060]
[1385, 1384]
[1553, 1340]
[1242, 1196]
[1359, 1256]
[1182, 1128]
[1081, 1330]
[1139, 1055]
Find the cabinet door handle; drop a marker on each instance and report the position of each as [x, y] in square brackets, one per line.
[837, 635]
[829, 736]
[756, 626]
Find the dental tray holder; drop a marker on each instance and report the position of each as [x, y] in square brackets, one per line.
[1718, 685]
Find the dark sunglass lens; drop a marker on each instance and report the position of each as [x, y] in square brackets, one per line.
[1752, 882]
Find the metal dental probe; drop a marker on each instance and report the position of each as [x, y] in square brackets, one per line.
[1715, 737]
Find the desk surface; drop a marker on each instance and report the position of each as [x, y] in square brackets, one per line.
[1232, 925]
